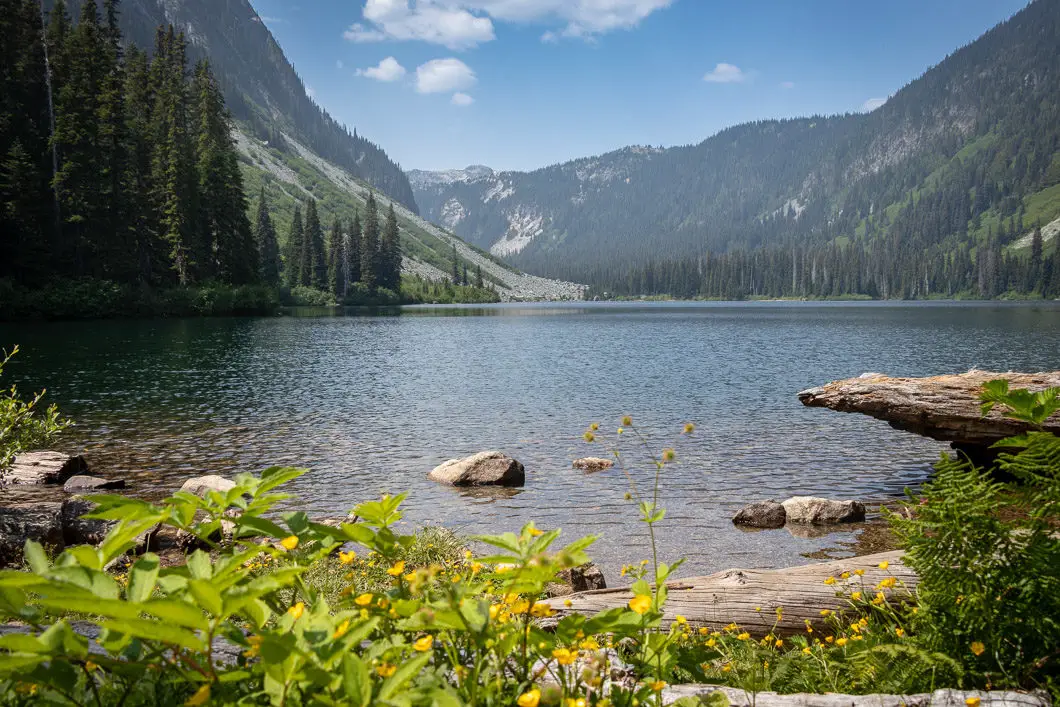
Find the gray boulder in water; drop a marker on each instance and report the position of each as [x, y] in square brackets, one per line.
[761, 514]
[482, 469]
[823, 511]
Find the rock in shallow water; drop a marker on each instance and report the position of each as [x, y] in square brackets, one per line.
[201, 485]
[823, 511]
[593, 464]
[81, 484]
[482, 469]
[40, 468]
[761, 514]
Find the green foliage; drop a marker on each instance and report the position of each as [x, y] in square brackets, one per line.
[416, 290]
[988, 556]
[24, 424]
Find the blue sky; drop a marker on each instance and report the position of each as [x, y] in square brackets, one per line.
[519, 84]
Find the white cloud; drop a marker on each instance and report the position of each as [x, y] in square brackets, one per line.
[787, 84]
[444, 76]
[725, 73]
[388, 70]
[339, 64]
[462, 99]
[872, 104]
[461, 24]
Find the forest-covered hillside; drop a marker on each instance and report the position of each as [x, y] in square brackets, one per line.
[924, 196]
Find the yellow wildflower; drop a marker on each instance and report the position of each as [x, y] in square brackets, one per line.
[386, 670]
[564, 656]
[297, 610]
[594, 427]
[680, 619]
[627, 421]
[424, 644]
[860, 573]
[712, 642]
[884, 565]
[829, 639]
[840, 641]
[397, 569]
[779, 643]
[977, 648]
[347, 558]
[541, 610]
[589, 644]
[657, 686]
[589, 437]
[476, 567]
[807, 650]
[288, 543]
[726, 668]
[255, 646]
[620, 431]
[689, 428]
[826, 612]
[972, 702]
[856, 596]
[568, 603]
[529, 699]
[879, 599]
[743, 636]
[342, 630]
[703, 630]
[364, 599]
[201, 697]
[899, 632]
[830, 581]
[669, 455]
[888, 583]
[535, 532]
[90, 666]
[640, 604]
[845, 575]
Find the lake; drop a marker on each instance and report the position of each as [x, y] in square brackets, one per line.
[371, 403]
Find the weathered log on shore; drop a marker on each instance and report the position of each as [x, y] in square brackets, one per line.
[938, 698]
[40, 468]
[945, 408]
[750, 598]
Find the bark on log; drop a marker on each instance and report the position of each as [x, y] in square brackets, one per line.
[750, 598]
[40, 468]
[945, 408]
[938, 698]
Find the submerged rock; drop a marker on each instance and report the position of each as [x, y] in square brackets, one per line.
[593, 464]
[40, 468]
[761, 514]
[482, 469]
[584, 578]
[19, 522]
[823, 511]
[81, 484]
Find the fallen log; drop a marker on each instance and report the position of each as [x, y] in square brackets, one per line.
[945, 408]
[750, 598]
[40, 468]
[938, 698]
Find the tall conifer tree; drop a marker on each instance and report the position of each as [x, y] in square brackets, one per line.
[292, 261]
[314, 272]
[353, 245]
[370, 245]
[268, 248]
[390, 252]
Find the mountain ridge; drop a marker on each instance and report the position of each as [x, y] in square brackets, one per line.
[802, 180]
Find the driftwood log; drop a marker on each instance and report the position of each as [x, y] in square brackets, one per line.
[40, 468]
[938, 698]
[945, 408]
[750, 598]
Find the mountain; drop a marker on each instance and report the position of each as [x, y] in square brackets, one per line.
[965, 155]
[261, 88]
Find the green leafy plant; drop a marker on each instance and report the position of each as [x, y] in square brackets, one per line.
[24, 424]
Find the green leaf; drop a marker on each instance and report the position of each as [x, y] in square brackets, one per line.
[405, 672]
[36, 557]
[277, 475]
[356, 681]
[207, 596]
[177, 612]
[13, 663]
[199, 565]
[157, 631]
[142, 578]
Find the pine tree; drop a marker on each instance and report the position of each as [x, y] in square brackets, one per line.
[463, 276]
[173, 175]
[142, 219]
[337, 265]
[353, 248]
[456, 267]
[1035, 279]
[390, 253]
[267, 246]
[370, 245]
[292, 258]
[116, 245]
[314, 270]
[478, 277]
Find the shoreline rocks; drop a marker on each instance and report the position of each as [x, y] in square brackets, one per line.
[82, 484]
[810, 510]
[201, 485]
[19, 522]
[483, 469]
[43, 468]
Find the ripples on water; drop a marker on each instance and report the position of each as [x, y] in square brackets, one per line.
[371, 403]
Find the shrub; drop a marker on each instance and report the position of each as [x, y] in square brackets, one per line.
[24, 424]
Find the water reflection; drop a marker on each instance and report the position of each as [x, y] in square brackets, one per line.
[372, 401]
